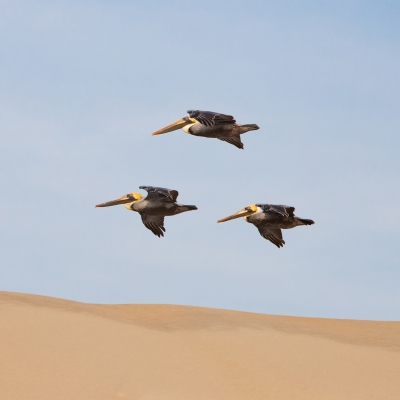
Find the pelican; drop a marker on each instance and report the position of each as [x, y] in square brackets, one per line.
[211, 125]
[159, 203]
[269, 220]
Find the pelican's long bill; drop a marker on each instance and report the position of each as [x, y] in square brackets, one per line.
[242, 213]
[128, 198]
[173, 127]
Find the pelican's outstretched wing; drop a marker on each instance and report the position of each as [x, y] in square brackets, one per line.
[274, 235]
[209, 118]
[284, 211]
[157, 193]
[155, 223]
[235, 140]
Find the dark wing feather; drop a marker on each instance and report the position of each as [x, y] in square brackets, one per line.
[274, 235]
[155, 223]
[284, 211]
[235, 140]
[209, 118]
[155, 193]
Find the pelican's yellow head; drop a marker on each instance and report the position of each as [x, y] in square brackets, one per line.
[126, 200]
[244, 212]
[183, 123]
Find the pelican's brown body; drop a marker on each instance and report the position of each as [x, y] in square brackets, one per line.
[209, 124]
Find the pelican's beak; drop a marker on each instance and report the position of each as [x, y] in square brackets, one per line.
[173, 127]
[242, 213]
[128, 198]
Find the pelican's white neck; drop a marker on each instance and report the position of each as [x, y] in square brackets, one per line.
[186, 127]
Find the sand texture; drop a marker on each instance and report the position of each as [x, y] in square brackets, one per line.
[58, 349]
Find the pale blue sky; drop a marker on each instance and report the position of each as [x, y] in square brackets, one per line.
[84, 84]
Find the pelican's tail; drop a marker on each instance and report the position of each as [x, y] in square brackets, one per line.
[250, 127]
[183, 208]
[305, 221]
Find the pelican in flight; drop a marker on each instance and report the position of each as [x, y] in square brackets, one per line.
[211, 125]
[158, 203]
[269, 220]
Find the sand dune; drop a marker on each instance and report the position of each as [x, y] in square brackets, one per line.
[58, 349]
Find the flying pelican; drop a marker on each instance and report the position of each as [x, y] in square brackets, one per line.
[159, 203]
[211, 125]
[269, 220]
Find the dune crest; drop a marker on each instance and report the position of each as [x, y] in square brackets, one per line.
[58, 349]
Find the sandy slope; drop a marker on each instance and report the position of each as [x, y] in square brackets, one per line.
[57, 349]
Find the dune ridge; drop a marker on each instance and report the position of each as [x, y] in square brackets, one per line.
[59, 349]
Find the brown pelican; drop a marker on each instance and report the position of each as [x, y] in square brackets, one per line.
[211, 125]
[159, 203]
[270, 219]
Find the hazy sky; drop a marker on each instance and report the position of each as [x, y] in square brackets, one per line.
[83, 84]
